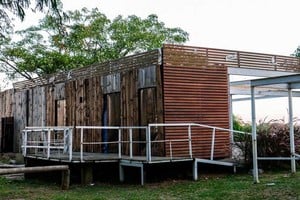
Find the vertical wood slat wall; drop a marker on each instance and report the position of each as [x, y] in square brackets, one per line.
[195, 91]
[84, 108]
[6, 107]
[129, 106]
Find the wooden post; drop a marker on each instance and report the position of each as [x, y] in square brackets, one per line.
[65, 179]
[86, 174]
[64, 168]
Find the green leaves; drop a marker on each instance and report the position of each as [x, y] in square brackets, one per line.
[133, 34]
[297, 52]
[85, 37]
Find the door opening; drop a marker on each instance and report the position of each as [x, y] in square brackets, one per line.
[7, 139]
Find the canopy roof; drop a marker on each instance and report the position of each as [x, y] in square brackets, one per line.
[267, 87]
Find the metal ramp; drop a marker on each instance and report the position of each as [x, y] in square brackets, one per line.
[56, 144]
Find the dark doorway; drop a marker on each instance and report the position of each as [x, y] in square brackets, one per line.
[111, 117]
[7, 139]
[60, 112]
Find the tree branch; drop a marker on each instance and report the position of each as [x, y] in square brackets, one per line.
[22, 73]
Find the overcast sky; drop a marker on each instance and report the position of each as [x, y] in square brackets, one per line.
[266, 26]
[270, 26]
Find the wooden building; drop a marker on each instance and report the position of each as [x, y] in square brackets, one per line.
[174, 84]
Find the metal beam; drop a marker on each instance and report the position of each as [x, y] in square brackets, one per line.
[256, 72]
[249, 98]
[259, 91]
[292, 79]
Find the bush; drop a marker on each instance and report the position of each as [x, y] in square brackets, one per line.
[273, 140]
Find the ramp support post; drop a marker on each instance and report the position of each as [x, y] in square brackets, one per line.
[195, 170]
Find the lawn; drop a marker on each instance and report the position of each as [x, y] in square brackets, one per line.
[279, 185]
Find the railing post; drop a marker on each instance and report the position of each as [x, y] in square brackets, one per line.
[130, 142]
[190, 140]
[81, 144]
[70, 143]
[120, 142]
[148, 143]
[24, 143]
[48, 143]
[66, 141]
[171, 152]
[212, 144]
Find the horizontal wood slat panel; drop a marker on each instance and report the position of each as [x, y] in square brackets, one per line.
[215, 57]
[194, 91]
[98, 69]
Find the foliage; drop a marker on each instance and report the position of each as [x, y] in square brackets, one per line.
[273, 140]
[85, 37]
[272, 186]
[243, 141]
[239, 125]
[17, 8]
[297, 52]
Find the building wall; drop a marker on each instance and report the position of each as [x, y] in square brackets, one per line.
[183, 88]
[195, 92]
[125, 107]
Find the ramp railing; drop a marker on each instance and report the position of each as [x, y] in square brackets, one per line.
[46, 140]
[120, 139]
[188, 137]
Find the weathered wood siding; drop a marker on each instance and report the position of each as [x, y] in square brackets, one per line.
[37, 107]
[84, 108]
[6, 108]
[20, 116]
[53, 94]
[195, 91]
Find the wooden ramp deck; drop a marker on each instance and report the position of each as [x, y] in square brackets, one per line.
[124, 161]
[104, 157]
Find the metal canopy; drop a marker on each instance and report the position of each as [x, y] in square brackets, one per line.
[289, 81]
[284, 83]
[270, 87]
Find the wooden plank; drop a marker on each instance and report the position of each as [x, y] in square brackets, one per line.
[20, 117]
[129, 105]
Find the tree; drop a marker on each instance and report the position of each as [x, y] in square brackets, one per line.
[18, 7]
[88, 37]
[297, 52]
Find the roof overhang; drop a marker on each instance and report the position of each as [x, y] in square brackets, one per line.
[270, 87]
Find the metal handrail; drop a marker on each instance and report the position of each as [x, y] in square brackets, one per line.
[67, 143]
[45, 139]
[189, 126]
[119, 141]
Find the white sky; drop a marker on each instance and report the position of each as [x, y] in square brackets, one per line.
[266, 26]
[269, 26]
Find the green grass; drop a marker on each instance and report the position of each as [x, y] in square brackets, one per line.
[277, 185]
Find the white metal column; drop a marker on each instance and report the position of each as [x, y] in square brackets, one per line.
[254, 138]
[291, 125]
[231, 119]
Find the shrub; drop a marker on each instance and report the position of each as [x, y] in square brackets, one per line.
[273, 140]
